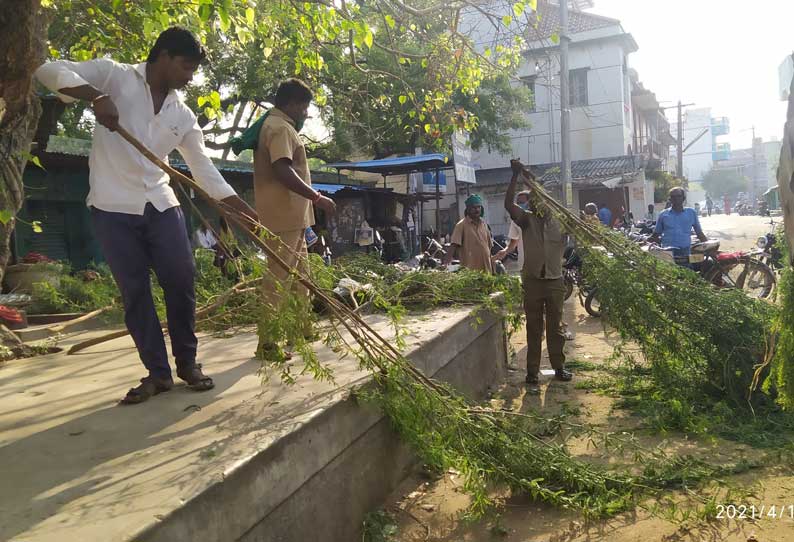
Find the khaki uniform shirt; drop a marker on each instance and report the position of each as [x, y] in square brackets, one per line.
[279, 208]
[474, 239]
[544, 244]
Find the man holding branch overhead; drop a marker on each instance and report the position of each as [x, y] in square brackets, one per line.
[544, 289]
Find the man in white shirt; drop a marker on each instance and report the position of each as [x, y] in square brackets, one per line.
[514, 233]
[204, 238]
[137, 218]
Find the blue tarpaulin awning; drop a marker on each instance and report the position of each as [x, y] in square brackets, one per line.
[332, 188]
[397, 166]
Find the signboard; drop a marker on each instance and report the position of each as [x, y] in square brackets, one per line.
[429, 182]
[786, 73]
[461, 154]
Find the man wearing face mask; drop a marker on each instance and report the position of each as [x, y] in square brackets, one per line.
[471, 238]
[284, 195]
[136, 216]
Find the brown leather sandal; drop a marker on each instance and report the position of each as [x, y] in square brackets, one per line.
[149, 387]
[196, 380]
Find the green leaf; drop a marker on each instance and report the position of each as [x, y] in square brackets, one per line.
[249, 15]
[368, 39]
[226, 22]
[402, 99]
[506, 20]
[36, 161]
[201, 101]
[215, 99]
[555, 38]
[428, 128]
[205, 12]
[518, 9]
[36, 225]
[533, 4]
[389, 21]
[267, 51]
[6, 216]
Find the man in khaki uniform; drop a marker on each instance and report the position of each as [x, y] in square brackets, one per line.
[471, 238]
[283, 191]
[544, 289]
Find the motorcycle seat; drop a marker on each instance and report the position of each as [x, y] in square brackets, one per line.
[705, 246]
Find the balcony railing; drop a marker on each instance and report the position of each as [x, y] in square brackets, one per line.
[720, 126]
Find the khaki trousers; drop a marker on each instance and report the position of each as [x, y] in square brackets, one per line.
[544, 297]
[278, 281]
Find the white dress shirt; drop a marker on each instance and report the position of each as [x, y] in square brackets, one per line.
[515, 233]
[204, 239]
[122, 180]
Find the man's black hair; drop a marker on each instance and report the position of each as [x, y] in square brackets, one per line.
[178, 41]
[293, 90]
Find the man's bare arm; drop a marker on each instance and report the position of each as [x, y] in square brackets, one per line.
[516, 213]
[104, 109]
[287, 176]
[453, 249]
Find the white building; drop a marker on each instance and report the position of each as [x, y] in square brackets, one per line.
[786, 74]
[606, 165]
[700, 140]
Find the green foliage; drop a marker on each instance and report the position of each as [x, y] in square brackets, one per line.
[701, 344]
[724, 182]
[663, 181]
[75, 294]
[781, 376]
[379, 526]
[382, 72]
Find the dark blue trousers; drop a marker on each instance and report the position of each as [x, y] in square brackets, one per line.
[134, 244]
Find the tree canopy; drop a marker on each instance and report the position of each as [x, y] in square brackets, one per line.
[389, 76]
[724, 182]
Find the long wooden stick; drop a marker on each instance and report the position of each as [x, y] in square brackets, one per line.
[352, 321]
[87, 316]
[200, 313]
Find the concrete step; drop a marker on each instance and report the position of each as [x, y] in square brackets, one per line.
[246, 461]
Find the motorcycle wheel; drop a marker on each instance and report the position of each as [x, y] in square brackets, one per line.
[568, 287]
[755, 278]
[592, 305]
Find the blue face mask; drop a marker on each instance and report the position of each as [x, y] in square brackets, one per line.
[524, 206]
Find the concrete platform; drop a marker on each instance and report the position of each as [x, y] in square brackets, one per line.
[248, 461]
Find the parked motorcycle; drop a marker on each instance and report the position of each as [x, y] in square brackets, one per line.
[768, 251]
[732, 269]
[573, 277]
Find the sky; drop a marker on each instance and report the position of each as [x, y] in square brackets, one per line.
[722, 54]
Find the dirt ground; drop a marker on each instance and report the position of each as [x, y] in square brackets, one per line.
[431, 509]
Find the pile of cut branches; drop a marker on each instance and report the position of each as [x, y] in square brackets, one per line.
[487, 446]
[707, 349]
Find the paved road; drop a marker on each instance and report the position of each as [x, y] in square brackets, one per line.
[736, 232]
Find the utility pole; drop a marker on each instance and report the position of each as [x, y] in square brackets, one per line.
[680, 144]
[754, 182]
[680, 139]
[565, 111]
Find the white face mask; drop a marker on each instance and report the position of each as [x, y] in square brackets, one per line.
[524, 206]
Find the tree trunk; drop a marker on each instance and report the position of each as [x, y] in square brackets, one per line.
[785, 176]
[23, 33]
